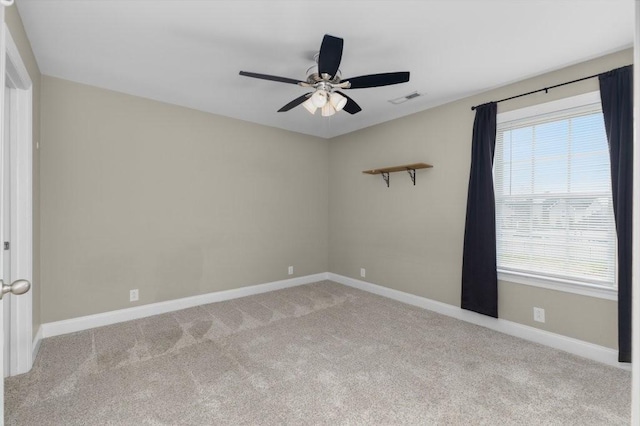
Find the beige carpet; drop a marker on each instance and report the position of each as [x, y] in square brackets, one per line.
[316, 354]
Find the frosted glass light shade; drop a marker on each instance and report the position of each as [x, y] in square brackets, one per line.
[319, 98]
[338, 101]
[328, 110]
[309, 106]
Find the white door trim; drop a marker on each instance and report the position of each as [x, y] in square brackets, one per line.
[21, 205]
[2, 94]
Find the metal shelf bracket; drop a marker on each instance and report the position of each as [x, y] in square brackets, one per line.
[412, 173]
[385, 176]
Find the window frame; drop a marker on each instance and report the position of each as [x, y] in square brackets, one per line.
[548, 282]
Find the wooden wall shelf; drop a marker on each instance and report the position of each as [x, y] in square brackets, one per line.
[410, 168]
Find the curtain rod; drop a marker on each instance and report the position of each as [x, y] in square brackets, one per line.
[546, 89]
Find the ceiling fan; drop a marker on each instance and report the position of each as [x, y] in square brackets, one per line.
[327, 79]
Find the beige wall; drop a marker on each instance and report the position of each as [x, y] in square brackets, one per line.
[410, 237]
[171, 201]
[175, 202]
[14, 23]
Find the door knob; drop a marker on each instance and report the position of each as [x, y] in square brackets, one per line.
[17, 287]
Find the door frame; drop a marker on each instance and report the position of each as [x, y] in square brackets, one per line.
[12, 67]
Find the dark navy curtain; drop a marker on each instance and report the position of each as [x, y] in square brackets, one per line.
[479, 270]
[616, 94]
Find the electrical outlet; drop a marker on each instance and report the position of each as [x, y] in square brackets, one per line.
[290, 270]
[538, 314]
[133, 295]
[363, 272]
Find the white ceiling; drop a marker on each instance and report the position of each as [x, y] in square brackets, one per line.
[189, 52]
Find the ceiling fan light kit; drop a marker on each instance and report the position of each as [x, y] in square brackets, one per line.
[310, 106]
[319, 98]
[327, 80]
[338, 101]
[328, 110]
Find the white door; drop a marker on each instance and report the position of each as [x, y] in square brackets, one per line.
[5, 220]
[2, 75]
[15, 208]
[17, 287]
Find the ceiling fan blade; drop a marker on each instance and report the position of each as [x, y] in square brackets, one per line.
[377, 80]
[330, 55]
[270, 77]
[351, 107]
[294, 103]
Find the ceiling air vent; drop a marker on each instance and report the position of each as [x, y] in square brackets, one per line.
[398, 101]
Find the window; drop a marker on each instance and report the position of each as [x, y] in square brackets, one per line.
[554, 209]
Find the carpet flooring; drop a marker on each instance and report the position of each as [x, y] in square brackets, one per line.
[315, 354]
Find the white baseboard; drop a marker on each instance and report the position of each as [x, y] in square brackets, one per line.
[36, 343]
[107, 318]
[568, 344]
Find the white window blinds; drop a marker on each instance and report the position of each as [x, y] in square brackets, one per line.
[554, 215]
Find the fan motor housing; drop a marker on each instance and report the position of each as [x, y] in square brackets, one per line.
[317, 78]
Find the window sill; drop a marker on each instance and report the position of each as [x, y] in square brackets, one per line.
[591, 290]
